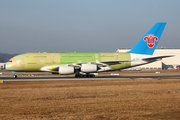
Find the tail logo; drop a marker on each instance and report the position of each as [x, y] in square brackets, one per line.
[150, 40]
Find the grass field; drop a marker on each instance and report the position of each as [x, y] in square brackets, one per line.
[136, 99]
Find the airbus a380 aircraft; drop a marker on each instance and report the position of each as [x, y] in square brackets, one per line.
[85, 64]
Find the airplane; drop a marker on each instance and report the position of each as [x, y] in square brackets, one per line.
[86, 64]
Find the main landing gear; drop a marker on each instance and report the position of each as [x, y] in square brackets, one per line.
[84, 75]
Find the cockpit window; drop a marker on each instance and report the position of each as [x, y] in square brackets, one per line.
[10, 61]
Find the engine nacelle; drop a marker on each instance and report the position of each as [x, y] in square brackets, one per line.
[64, 70]
[89, 68]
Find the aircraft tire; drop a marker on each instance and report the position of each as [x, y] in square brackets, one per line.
[15, 76]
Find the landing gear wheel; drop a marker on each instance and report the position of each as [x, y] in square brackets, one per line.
[92, 75]
[84, 75]
[78, 75]
[15, 76]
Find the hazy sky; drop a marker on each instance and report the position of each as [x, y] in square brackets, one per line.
[84, 25]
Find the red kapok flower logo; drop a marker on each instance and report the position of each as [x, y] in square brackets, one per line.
[150, 40]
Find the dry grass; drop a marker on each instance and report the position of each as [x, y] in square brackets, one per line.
[136, 99]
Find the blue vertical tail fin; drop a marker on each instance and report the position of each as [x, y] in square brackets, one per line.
[147, 44]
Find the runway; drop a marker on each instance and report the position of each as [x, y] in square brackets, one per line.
[40, 78]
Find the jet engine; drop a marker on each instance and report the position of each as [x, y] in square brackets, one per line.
[66, 70]
[89, 68]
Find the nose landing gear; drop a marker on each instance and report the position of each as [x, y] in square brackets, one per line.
[14, 75]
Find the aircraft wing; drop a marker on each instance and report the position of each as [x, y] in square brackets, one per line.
[102, 63]
[54, 68]
[77, 66]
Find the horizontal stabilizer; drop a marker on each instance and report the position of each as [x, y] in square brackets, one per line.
[156, 58]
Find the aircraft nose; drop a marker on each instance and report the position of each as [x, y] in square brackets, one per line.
[3, 66]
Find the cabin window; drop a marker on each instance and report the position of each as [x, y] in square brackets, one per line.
[77, 56]
[31, 63]
[39, 56]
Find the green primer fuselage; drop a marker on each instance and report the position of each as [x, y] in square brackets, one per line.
[35, 61]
